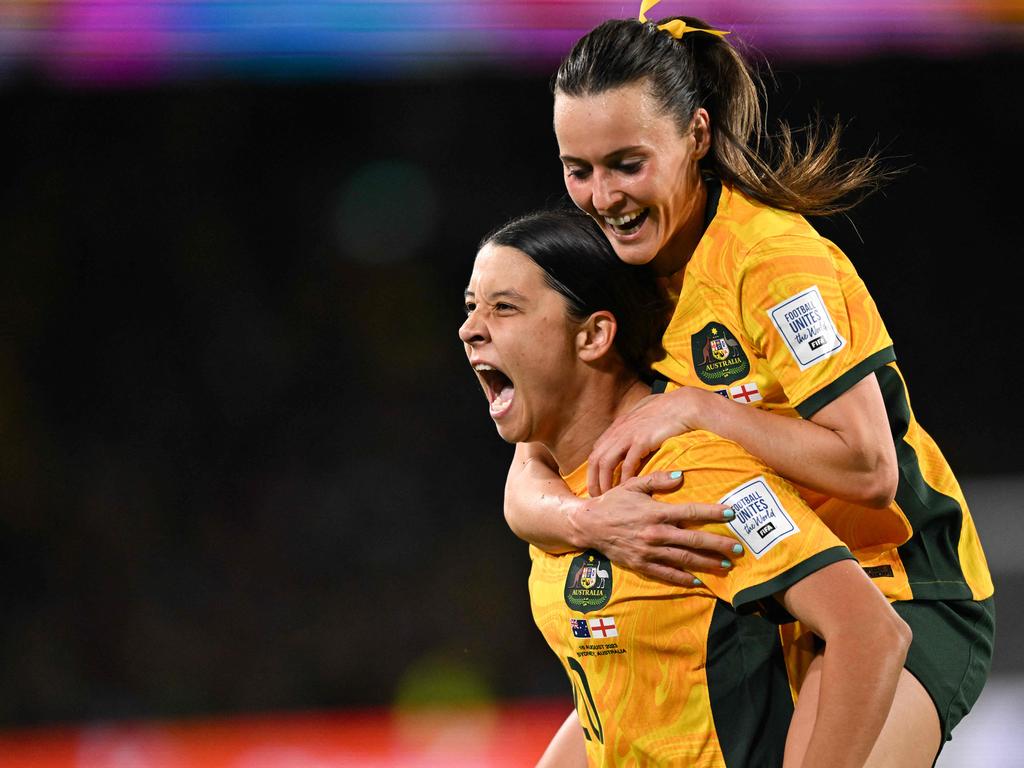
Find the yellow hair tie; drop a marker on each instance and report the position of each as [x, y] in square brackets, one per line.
[677, 27]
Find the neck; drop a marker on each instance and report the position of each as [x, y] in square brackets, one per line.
[602, 400]
[676, 253]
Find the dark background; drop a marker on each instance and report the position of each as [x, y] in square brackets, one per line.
[243, 464]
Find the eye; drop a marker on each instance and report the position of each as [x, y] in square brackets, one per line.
[470, 306]
[631, 168]
[503, 307]
[577, 173]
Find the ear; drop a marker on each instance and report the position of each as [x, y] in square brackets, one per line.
[595, 336]
[701, 128]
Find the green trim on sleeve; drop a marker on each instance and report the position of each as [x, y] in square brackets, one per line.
[830, 392]
[758, 597]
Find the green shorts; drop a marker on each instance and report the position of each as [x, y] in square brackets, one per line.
[951, 652]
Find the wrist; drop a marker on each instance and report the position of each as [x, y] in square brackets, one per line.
[575, 511]
[687, 409]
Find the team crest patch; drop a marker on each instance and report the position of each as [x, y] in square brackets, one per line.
[761, 522]
[588, 585]
[718, 357]
[806, 326]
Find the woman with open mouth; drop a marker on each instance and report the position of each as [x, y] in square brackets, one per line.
[774, 343]
[560, 334]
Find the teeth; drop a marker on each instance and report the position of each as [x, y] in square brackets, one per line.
[621, 221]
[482, 367]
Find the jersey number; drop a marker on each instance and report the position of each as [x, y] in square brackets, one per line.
[581, 695]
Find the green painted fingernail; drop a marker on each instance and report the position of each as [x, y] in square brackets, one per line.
[726, 564]
[728, 514]
[697, 582]
[675, 475]
[737, 548]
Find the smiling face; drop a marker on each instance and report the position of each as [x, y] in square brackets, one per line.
[519, 340]
[629, 167]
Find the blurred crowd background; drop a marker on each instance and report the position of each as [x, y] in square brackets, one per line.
[244, 466]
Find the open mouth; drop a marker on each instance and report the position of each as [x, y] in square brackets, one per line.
[628, 223]
[498, 387]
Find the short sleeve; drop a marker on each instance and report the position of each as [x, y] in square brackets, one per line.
[810, 315]
[783, 540]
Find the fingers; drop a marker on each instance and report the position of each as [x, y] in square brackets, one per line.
[679, 567]
[656, 482]
[707, 546]
[668, 575]
[631, 464]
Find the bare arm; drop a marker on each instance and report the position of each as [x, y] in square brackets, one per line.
[626, 525]
[845, 450]
[567, 749]
[865, 647]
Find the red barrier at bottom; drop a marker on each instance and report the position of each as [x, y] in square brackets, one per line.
[499, 737]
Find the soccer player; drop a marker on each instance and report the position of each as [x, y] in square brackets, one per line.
[560, 332]
[774, 343]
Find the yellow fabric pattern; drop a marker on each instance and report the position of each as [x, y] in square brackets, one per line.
[770, 314]
[642, 695]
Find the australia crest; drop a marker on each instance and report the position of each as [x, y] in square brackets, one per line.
[588, 584]
[718, 357]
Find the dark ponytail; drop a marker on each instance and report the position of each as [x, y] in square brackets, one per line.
[704, 70]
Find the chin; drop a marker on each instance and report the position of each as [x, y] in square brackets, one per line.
[509, 434]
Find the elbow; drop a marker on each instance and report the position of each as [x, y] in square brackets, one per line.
[876, 486]
[894, 636]
[879, 491]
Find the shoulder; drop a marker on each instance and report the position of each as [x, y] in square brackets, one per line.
[748, 234]
[703, 451]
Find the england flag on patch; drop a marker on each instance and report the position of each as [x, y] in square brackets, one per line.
[603, 626]
[579, 628]
[745, 393]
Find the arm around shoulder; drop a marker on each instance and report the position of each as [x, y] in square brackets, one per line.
[538, 503]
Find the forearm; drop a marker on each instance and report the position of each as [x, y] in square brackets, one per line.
[866, 644]
[857, 687]
[567, 749]
[849, 456]
[538, 503]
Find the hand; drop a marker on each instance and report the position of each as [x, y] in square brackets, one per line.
[637, 434]
[646, 536]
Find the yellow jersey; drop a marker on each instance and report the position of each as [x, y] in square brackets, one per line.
[693, 676]
[774, 316]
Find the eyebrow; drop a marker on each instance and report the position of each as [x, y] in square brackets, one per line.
[509, 293]
[614, 154]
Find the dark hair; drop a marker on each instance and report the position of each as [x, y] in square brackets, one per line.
[578, 262]
[704, 70]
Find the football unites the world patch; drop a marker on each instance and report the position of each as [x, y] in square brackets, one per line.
[718, 357]
[588, 584]
[761, 521]
[806, 326]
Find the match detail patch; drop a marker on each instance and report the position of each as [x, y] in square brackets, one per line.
[760, 520]
[805, 325]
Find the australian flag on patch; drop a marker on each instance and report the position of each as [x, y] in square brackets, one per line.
[580, 628]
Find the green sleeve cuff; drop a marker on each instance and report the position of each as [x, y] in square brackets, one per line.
[759, 596]
[830, 392]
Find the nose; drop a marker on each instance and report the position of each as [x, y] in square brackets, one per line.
[474, 330]
[605, 191]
